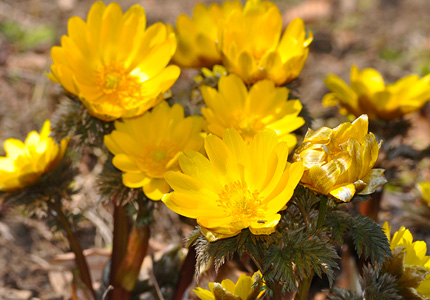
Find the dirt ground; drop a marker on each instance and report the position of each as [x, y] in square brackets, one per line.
[392, 36]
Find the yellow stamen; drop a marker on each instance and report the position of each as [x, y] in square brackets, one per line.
[155, 159]
[122, 88]
[237, 200]
[247, 126]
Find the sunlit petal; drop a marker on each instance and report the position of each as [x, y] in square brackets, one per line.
[148, 146]
[25, 162]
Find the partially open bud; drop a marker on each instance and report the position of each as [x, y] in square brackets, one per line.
[339, 161]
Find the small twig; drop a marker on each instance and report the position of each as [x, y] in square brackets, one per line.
[100, 225]
[153, 279]
[57, 213]
[106, 292]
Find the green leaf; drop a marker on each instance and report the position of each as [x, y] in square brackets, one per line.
[381, 286]
[374, 286]
[301, 253]
[369, 239]
[338, 222]
[341, 294]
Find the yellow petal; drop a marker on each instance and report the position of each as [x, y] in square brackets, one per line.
[195, 163]
[266, 226]
[330, 99]
[374, 179]
[244, 286]
[156, 189]
[135, 180]
[215, 234]
[125, 163]
[344, 193]
[221, 159]
[341, 91]
[324, 177]
[204, 294]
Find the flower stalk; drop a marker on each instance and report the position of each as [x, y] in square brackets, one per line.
[119, 249]
[305, 284]
[187, 273]
[57, 213]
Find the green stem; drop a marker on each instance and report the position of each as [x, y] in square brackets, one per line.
[305, 284]
[304, 287]
[276, 287]
[75, 246]
[256, 262]
[277, 291]
[322, 212]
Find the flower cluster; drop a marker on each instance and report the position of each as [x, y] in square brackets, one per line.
[198, 36]
[245, 39]
[369, 95]
[235, 179]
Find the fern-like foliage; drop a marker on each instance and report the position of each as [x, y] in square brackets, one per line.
[302, 207]
[287, 256]
[110, 184]
[221, 250]
[301, 246]
[341, 294]
[339, 223]
[375, 285]
[299, 255]
[53, 186]
[369, 239]
[378, 285]
[72, 119]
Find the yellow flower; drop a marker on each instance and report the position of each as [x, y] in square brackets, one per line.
[147, 146]
[415, 253]
[241, 185]
[252, 46]
[368, 94]
[244, 289]
[339, 161]
[26, 162]
[198, 36]
[424, 188]
[115, 66]
[264, 106]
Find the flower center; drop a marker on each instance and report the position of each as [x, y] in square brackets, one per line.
[111, 82]
[237, 200]
[119, 86]
[155, 160]
[247, 126]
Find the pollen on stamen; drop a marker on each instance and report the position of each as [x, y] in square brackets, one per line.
[247, 126]
[239, 201]
[155, 159]
[121, 87]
